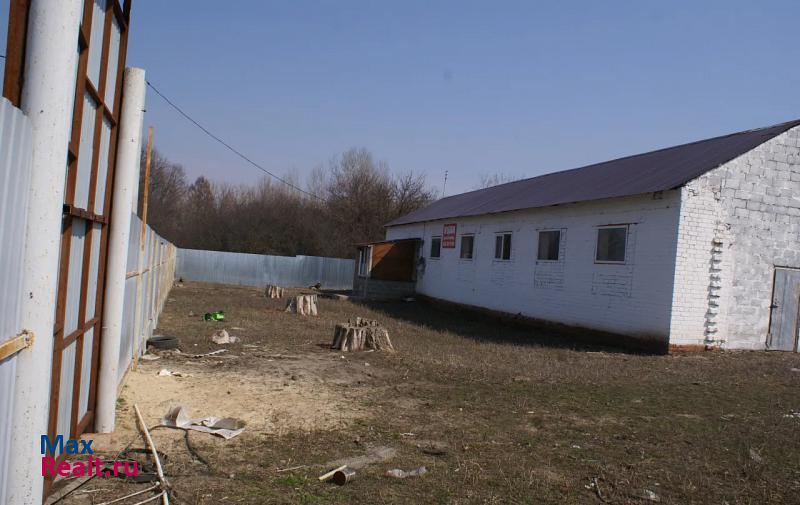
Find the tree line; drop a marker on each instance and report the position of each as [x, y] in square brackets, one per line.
[355, 196]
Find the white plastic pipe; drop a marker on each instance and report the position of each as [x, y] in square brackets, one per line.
[48, 91]
[126, 178]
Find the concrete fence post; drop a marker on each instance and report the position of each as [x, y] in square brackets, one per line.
[48, 93]
[125, 179]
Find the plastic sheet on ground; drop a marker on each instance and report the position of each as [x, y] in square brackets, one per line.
[225, 427]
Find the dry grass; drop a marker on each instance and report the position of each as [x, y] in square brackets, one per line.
[518, 416]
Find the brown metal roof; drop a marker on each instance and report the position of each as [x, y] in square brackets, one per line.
[659, 170]
[364, 244]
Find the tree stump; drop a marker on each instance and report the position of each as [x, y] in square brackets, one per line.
[305, 305]
[361, 334]
[273, 291]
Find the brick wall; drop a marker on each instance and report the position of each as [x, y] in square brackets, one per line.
[737, 223]
[632, 299]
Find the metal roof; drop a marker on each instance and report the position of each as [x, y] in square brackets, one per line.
[659, 170]
[394, 241]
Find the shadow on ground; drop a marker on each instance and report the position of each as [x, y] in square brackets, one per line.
[479, 326]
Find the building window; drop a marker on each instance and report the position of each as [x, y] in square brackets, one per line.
[611, 242]
[467, 244]
[502, 246]
[364, 261]
[436, 247]
[549, 245]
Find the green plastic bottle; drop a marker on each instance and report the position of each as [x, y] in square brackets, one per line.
[215, 316]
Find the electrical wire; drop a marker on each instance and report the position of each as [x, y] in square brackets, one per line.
[228, 146]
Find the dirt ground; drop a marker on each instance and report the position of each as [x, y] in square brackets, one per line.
[496, 413]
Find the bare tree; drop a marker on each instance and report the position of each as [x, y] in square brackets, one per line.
[410, 193]
[166, 194]
[489, 180]
[358, 195]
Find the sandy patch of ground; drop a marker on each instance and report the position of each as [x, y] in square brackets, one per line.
[278, 395]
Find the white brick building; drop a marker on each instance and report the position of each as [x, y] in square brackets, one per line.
[692, 245]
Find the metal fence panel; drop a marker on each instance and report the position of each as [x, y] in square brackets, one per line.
[128, 326]
[8, 370]
[259, 270]
[15, 155]
[153, 281]
[133, 244]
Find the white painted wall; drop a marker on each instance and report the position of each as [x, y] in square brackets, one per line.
[632, 299]
[695, 320]
[751, 205]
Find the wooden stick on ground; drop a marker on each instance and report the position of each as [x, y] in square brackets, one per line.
[152, 446]
[298, 467]
[154, 498]
[328, 475]
[137, 493]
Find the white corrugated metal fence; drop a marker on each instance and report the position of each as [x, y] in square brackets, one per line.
[259, 270]
[15, 156]
[156, 277]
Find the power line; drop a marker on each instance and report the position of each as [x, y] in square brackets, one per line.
[228, 146]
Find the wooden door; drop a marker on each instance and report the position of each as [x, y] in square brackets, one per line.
[785, 317]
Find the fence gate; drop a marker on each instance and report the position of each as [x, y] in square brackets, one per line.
[102, 44]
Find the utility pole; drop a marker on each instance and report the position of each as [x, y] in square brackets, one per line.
[444, 186]
[146, 193]
[139, 329]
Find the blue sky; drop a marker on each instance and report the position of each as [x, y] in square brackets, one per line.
[522, 88]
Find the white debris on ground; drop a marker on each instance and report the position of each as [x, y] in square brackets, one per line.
[164, 372]
[397, 473]
[222, 337]
[225, 427]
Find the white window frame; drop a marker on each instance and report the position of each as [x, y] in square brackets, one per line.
[461, 246]
[502, 246]
[627, 228]
[560, 239]
[430, 252]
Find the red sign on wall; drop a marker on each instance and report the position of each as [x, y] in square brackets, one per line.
[449, 236]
